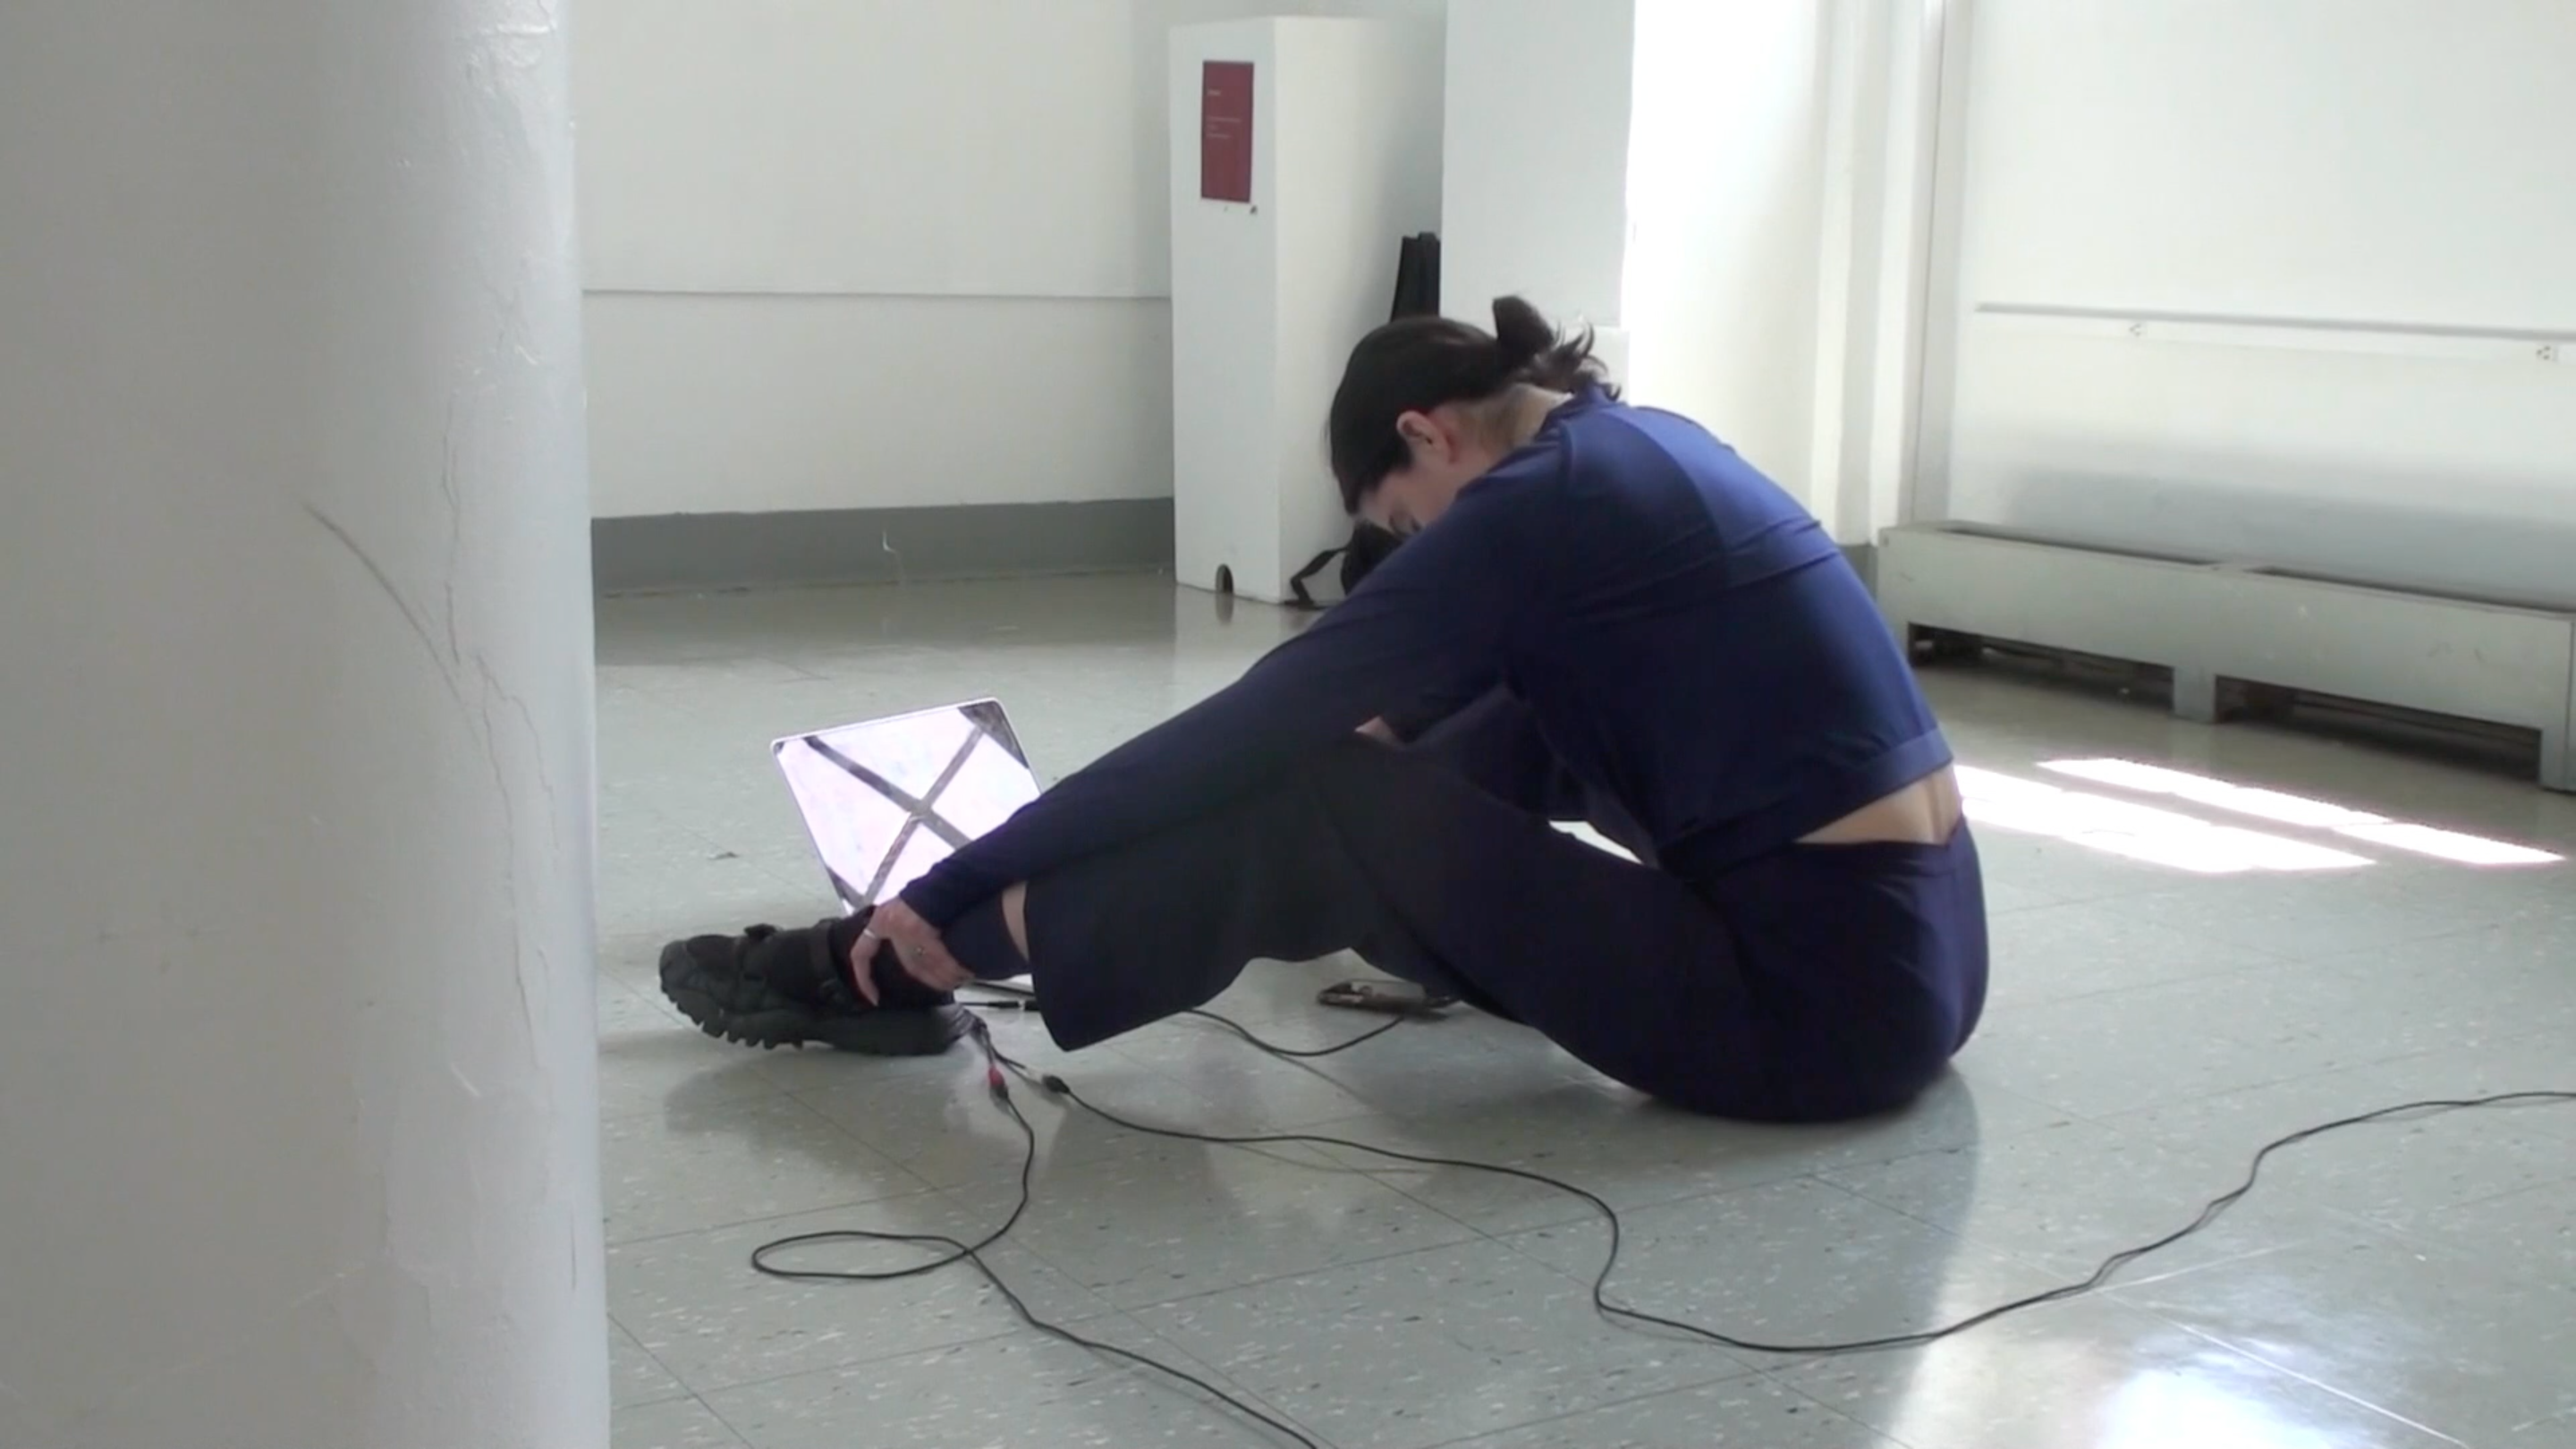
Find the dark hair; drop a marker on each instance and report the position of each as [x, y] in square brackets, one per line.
[1415, 364]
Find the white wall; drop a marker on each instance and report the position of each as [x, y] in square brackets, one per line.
[2370, 205]
[1738, 195]
[734, 403]
[881, 253]
[1534, 186]
[1725, 196]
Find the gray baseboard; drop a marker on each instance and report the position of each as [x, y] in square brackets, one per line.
[682, 552]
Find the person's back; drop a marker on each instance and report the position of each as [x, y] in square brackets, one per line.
[1693, 646]
[1702, 652]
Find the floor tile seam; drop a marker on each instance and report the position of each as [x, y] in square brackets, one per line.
[2466, 1262]
[2249, 1353]
[2448, 934]
[1625, 1401]
[2032, 1259]
[1781, 1375]
[1585, 1212]
[892, 1069]
[843, 1366]
[1251, 1434]
[1625, 1232]
[739, 1437]
[2196, 1094]
[2121, 1280]
[2281, 1171]
[2122, 1125]
[1140, 1141]
[2256, 961]
[2279, 1178]
[1021, 1328]
[1392, 1167]
[1268, 1280]
[655, 1359]
[2553, 1032]
[2211, 1033]
[2381, 1216]
[1016, 1328]
[617, 1245]
[2485, 1198]
[609, 1116]
[843, 1131]
[1169, 1079]
[805, 1098]
[2202, 936]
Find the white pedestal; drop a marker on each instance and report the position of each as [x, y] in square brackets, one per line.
[1268, 297]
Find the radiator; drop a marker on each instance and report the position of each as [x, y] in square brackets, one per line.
[2216, 621]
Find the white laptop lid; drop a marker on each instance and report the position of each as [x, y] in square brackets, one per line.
[886, 799]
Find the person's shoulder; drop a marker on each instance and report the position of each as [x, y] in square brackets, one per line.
[1662, 426]
[1646, 443]
[1620, 443]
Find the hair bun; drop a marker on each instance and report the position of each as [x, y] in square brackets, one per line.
[1525, 336]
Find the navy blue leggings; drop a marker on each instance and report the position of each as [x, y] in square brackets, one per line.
[1816, 983]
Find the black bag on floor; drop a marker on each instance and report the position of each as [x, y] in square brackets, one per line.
[1368, 548]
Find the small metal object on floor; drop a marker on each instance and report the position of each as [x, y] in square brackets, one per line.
[1387, 998]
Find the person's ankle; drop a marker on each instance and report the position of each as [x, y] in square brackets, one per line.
[981, 942]
[1015, 917]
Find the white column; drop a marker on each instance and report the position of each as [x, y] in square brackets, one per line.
[298, 1111]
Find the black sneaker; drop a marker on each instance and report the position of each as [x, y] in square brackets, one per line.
[772, 988]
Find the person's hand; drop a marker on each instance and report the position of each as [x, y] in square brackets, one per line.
[917, 949]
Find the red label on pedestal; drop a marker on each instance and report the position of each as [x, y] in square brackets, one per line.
[1225, 131]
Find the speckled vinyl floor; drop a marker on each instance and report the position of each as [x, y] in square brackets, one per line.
[2400, 1287]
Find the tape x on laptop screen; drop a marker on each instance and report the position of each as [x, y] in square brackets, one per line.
[887, 799]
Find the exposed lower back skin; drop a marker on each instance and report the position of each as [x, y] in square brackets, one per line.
[1926, 812]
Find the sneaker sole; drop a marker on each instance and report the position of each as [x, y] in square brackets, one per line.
[926, 1032]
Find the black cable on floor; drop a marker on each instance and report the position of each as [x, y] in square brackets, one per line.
[1020, 998]
[997, 1064]
[1602, 1303]
[959, 1252]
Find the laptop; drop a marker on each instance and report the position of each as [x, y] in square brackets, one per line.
[884, 800]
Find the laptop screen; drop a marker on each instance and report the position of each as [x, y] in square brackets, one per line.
[886, 799]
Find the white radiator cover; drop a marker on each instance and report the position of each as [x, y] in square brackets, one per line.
[2210, 619]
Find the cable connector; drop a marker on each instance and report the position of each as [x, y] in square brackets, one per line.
[1057, 1085]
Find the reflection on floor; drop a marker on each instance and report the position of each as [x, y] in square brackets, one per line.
[2204, 938]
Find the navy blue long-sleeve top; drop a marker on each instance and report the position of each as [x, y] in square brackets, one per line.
[1688, 637]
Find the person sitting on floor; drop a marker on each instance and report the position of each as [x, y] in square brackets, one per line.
[1601, 612]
